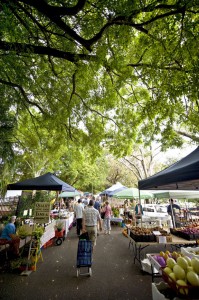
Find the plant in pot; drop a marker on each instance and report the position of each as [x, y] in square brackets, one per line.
[59, 226]
[38, 232]
[24, 231]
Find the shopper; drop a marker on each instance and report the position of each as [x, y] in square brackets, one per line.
[91, 218]
[78, 211]
[126, 210]
[97, 204]
[138, 212]
[107, 218]
[9, 235]
[171, 209]
[172, 206]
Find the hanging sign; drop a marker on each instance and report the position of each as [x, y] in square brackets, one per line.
[42, 212]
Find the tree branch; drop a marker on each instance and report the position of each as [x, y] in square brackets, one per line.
[15, 85]
[54, 14]
[42, 50]
[172, 68]
[44, 7]
[191, 136]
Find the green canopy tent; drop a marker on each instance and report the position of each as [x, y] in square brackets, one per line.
[69, 194]
[176, 194]
[133, 193]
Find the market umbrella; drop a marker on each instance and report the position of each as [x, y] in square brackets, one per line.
[69, 194]
[130, 193]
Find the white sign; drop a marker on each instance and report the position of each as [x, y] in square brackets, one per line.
[42, 212]
[156, 232]
[162, 239]
[25, 212]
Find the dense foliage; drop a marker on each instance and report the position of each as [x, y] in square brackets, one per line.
[87, 74]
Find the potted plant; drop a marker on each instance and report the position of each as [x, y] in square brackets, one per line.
[38, 232]
[59, 225]
[24, 231]
[59, 229]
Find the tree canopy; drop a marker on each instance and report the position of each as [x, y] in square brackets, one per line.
[104, 73]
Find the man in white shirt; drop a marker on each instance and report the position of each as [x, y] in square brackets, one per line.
[91, 218]
[78, 210]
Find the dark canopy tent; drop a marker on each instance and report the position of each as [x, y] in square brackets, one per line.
[182, 175]
[47, 182]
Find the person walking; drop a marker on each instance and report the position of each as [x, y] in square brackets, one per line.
[91, 218]
[98, 207]
[107, 218]
[78, 211]
[97, 204]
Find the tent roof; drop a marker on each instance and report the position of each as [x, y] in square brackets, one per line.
[176, 194]
[131, 193]
[47, 182]
[115, 187]
[122, 188]
[69, 194]
[183, 175]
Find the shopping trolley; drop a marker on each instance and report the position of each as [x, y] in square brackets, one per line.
[84, 257]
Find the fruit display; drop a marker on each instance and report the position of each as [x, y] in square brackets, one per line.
[162, 258]
[181, 273]
[188, 232]
[146, 234]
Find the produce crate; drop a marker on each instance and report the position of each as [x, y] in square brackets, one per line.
[196, 235]
[185, 292]
[187, 236]
[142, 238]
[136, 237]
[190, 251]
[174, 231]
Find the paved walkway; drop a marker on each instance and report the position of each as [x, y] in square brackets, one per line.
[115, 277]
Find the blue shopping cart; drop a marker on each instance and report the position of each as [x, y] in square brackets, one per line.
[84, 258]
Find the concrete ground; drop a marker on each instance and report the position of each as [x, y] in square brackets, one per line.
[114, 275]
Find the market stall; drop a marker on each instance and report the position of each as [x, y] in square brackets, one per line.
[49, 232]
[141, 241]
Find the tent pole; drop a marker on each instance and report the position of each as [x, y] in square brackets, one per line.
[140, 206]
